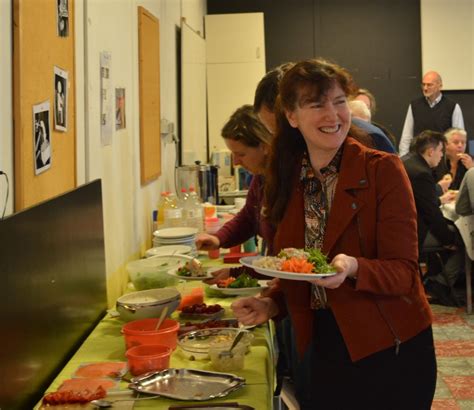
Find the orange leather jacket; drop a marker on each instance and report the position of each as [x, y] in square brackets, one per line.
[373, 218]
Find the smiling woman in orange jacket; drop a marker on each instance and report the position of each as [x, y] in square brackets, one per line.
[366, 330]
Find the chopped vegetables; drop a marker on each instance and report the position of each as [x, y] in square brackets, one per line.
[298, 265]
[244, 280]
[297, 260]
[191, 268]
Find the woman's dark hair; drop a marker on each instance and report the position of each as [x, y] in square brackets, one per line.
[427, 139]
[267, 88]
[306, 80]
[245, 127]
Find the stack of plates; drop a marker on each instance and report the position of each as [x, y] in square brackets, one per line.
[168, 250]
[176, 236]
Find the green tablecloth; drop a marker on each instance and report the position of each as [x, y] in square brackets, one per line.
[107, 344]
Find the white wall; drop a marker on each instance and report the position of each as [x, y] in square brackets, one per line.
[6, 109]
[447, 41]
[112, 26]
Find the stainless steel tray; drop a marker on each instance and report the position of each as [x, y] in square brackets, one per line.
[187, 384]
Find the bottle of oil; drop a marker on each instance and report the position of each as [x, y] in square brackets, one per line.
[173, 212]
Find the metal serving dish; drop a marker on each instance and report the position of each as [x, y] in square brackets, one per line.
[187, 384]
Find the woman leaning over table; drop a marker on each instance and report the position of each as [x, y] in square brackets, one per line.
[368, 328]
[249, 141]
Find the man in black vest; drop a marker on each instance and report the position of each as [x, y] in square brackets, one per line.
[432, 112]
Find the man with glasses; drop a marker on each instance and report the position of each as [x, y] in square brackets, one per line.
[433, 112]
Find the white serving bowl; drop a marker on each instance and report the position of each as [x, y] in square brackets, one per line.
[146, 304]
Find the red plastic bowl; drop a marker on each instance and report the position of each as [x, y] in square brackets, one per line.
[143, 332]
[148, 358]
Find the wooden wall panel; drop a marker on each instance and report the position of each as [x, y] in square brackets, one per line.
[37, 49]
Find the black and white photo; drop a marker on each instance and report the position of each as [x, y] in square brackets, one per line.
[42, 137]
[63, 18]
[60, 99]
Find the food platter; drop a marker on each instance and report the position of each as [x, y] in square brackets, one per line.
[187, 384]
[248, 262]
[173, 272]
[242, 291]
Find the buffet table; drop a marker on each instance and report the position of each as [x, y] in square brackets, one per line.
[106, 343]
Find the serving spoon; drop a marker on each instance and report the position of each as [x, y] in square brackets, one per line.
[102, 403]
[236, 340]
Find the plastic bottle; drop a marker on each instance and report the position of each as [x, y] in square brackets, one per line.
[173, 212]
[194, 211]
[162, 205]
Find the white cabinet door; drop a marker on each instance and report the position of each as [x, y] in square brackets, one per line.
[228, 87]
[235, 56]
[235, 38]
[193, 97]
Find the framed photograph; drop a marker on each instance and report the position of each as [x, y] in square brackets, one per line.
[120, 108]
[41, 138]
[60, 99]
[63, 18]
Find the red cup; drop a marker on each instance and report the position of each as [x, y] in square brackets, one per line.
[143, 332]
[235, 249]
[148, 358]
[214, 253]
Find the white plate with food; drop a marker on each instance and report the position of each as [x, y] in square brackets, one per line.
[185, 273]
[271, 266]
[242, 291]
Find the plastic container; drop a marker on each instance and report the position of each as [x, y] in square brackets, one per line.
[143, 332]
[152, 272]
[191, 297]
[148, 358]
[193, 211]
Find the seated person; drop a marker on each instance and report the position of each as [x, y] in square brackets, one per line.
[361, 118]
[433, 228]
[457, 160]
[368, 99]
[465, 197]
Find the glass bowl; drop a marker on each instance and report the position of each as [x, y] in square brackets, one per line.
[195, 345]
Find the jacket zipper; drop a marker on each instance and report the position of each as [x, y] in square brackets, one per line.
[396, 339]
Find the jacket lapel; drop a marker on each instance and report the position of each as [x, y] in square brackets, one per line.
[346, 204]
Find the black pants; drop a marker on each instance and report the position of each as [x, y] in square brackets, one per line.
[383, 380]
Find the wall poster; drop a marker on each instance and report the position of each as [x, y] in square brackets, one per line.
[106, 99]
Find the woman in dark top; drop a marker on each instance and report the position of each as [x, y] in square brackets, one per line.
[248, 140]
[457, 160]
